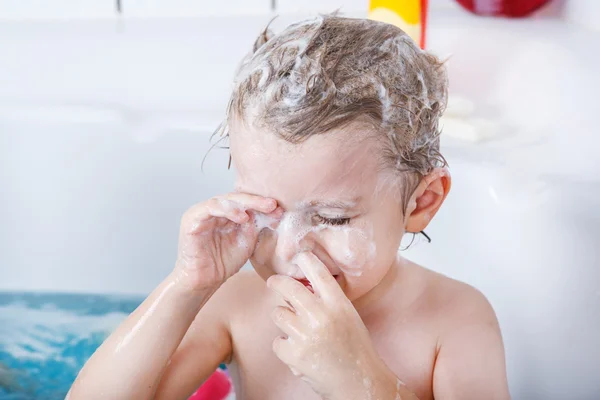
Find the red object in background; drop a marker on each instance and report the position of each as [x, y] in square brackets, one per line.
[217, 387]
[507, 8]
[424, 5]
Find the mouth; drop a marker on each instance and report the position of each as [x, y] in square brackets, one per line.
[307, 283]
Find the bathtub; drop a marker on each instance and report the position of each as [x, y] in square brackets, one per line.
[105, 123]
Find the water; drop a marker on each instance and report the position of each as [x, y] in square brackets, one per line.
[46, 338]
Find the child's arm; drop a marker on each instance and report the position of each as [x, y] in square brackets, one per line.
[216, 239]
[470, 362]
[130, 363]
[206, 345]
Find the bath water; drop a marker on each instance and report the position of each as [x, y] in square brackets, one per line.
[46, 338]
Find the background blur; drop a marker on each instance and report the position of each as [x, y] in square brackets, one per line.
[106, 108]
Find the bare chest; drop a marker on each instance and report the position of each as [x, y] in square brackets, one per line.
[258, 374]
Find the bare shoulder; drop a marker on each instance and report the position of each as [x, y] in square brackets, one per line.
[452, 302]
[470, 361]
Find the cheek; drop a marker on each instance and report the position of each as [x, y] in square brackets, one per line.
[353, 249]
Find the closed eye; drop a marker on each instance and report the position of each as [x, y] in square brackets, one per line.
[333, 221]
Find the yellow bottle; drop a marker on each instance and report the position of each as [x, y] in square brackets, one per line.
[408, 15]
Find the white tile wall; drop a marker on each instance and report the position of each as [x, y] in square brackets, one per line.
[584, 12]
[352, 7]
[182, 64]
[322, 6]
[194, 7]
[56, 8]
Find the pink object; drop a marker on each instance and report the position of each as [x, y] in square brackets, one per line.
[217, 387]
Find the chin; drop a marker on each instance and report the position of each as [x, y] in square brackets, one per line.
[356, 287]
[355, 293]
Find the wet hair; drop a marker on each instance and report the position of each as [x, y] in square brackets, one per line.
[329, 72]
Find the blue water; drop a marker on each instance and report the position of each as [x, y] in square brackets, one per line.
[46, 338]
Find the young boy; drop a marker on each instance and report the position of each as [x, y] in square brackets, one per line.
[333, 129]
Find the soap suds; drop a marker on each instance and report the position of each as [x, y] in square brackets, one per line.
[386, 103]
[399, 385]
[352, 248]
[263, 221]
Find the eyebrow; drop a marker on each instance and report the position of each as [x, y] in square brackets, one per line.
[334, 203]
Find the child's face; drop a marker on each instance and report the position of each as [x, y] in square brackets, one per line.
[336, 200]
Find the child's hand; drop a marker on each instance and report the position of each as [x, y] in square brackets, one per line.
[218, 236]
[327, 343]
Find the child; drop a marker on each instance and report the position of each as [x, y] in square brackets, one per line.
[333, 129]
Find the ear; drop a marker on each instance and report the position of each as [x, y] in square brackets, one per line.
[427, 199]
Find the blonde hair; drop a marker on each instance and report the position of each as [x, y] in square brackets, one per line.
[325, 73]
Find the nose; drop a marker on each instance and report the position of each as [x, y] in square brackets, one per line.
[288, 245]
[293, 236]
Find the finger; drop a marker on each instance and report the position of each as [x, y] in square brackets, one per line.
[250, 202]
[287, 321]
[194, 217]
[232, 207]
[217, 207]
[295, 293]
[282, 347]
[318, 274]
